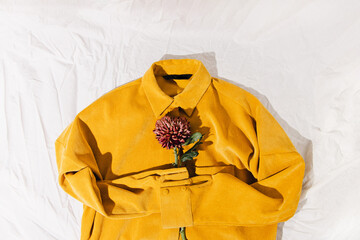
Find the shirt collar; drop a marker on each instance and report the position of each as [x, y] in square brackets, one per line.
[190, 95]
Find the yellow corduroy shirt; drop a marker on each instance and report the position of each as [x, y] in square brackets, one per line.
[248, 173]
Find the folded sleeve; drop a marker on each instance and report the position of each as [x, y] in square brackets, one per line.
[125, 197]
[278, 169]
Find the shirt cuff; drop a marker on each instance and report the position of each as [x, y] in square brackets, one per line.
[175, 200]
[175, 207]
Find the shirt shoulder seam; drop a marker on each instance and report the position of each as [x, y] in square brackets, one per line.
[234, 100]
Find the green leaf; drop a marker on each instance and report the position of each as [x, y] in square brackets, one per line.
[196, 136]
[193, 138]
[186, 158]
[189, 155]
[192, 153]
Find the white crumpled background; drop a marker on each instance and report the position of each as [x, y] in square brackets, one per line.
[300, 58]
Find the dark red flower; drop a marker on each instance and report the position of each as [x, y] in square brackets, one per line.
[172, 131]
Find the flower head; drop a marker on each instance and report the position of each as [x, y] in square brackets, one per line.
[172, 131]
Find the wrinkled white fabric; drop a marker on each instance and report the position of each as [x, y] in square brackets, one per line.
[300, 58]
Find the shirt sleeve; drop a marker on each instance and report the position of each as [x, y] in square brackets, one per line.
[130, 196]
[278, 169]
[221, 198]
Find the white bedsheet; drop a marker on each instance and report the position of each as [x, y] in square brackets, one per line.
[300, 58]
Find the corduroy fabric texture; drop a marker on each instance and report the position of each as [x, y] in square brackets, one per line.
[248, 173]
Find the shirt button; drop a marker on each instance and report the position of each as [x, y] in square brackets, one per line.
[183, 188]
[165, 191]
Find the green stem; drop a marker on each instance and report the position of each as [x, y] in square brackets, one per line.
[182, 233]
[176, 157]
[182, 229]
